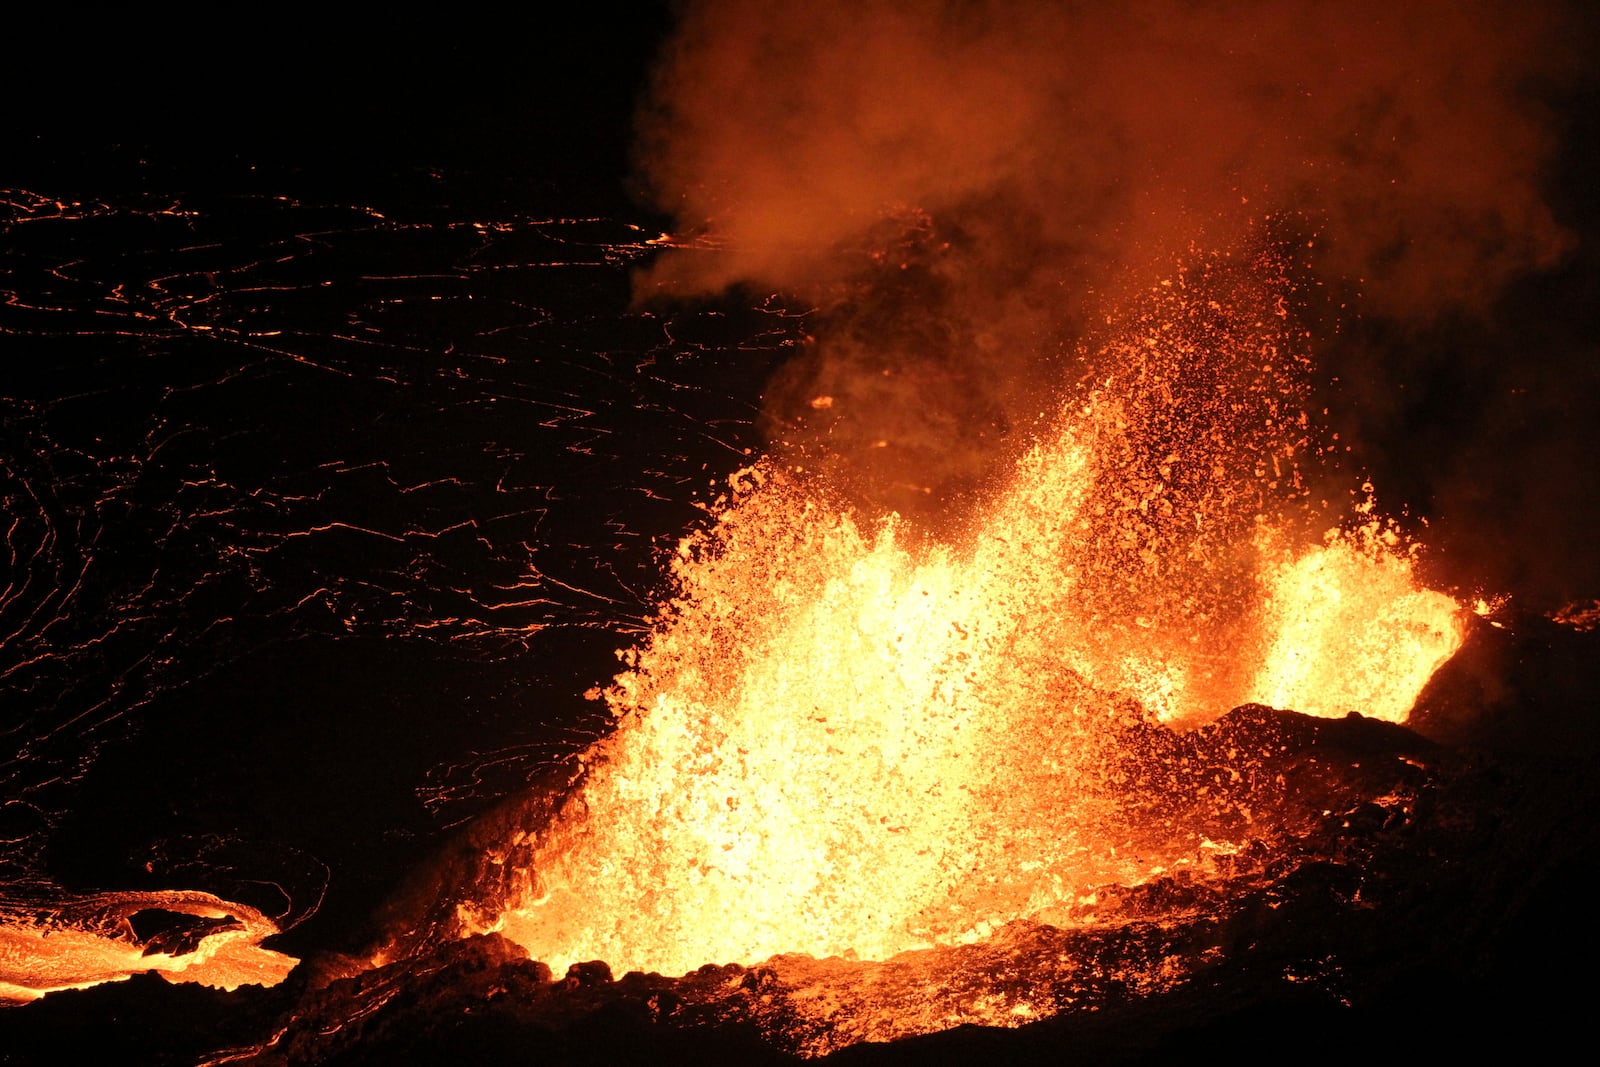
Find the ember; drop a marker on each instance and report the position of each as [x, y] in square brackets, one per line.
[842, 740]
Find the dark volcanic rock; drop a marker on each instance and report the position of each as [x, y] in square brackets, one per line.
[1396, 888]
[1387, 871]
[1521, 685]
[1408, 899]
[144, 1020]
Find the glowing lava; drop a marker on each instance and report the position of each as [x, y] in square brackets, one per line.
[842, 739]
[74, 943]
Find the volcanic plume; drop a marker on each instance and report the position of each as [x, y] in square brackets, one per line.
[966, 190]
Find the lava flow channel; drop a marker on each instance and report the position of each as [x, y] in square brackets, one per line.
[845, 739]
[81, 941]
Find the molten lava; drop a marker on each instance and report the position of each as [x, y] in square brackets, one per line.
[844, 740]
[73, 943]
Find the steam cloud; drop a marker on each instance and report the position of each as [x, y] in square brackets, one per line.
[962, 186]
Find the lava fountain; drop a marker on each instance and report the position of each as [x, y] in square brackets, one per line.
[845, 738]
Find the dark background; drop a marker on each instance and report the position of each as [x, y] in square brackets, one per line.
[534, 108]
[336, 457]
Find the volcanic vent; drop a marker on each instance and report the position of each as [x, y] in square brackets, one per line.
[843, 740]
[919, 782]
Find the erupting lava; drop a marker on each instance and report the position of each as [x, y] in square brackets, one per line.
[845, 739]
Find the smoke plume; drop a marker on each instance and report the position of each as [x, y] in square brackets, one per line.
[963, 187]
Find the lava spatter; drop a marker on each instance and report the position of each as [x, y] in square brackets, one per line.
[842, 739]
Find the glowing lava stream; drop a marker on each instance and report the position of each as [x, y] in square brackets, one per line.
[81, 942]
[841, 741]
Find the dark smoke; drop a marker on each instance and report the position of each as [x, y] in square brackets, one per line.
[962, 189]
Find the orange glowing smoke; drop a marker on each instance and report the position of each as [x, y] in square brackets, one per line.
[842, 739]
